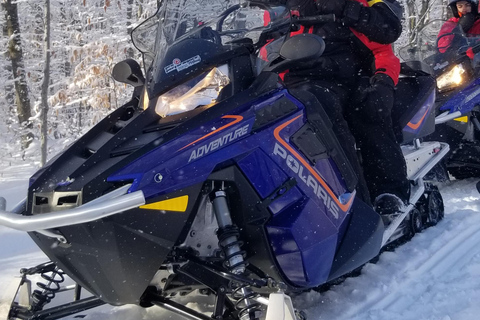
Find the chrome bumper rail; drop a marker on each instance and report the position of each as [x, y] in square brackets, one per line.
[112, 203]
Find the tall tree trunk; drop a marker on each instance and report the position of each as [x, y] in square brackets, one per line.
[446, 10]
[424, 15]
[412, 20]
[130, 51]
[140, 9]
[15, 55]
[9, 88]
[45, 83]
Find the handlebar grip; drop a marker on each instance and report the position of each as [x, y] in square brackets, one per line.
[476, 48]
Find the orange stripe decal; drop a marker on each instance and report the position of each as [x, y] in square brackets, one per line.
[237, 120]
[344, 207]
[415, 126]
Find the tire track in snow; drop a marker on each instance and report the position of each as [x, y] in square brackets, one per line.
[456, 253]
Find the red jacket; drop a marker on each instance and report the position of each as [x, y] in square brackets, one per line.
[368, 41]
[385, 60]
[448, 27]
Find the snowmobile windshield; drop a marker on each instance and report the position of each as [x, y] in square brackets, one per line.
[187, 40]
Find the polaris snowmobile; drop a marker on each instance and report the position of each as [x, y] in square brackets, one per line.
[458, 92]
[215, 179]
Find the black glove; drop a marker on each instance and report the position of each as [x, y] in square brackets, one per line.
[376, 101]
[466, 21]
[331, 6]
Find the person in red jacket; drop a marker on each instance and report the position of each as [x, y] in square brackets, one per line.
[354, 80]
[465, 21]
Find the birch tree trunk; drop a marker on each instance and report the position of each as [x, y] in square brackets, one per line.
[130, 51]
[424, 14]
[15, 54]
[45, 83]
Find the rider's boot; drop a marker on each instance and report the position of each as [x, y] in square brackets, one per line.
[389, 206]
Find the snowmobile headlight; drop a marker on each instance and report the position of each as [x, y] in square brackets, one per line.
[202, 90]
[451, 79]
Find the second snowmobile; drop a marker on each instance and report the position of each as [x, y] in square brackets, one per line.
[455, 63]
[215, 179]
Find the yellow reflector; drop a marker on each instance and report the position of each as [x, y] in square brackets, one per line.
[372, 2]
[176, 204]
[462, 119]
[146, 99]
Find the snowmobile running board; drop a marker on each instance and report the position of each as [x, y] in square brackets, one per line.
[420, 161]
[112, 203]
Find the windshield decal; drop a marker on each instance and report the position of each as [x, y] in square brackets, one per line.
[439, 66]
[178, 65]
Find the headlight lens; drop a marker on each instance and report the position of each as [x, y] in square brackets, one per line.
[451, 79]
[202, 90]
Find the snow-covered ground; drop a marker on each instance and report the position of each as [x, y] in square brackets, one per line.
[435, 276]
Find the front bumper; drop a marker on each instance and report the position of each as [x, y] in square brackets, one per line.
[112, 203]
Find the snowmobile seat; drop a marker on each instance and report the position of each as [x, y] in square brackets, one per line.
[415, 88]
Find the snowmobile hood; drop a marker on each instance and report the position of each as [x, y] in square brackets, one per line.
[185, 39]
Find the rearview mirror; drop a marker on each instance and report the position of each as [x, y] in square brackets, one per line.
[297, 49]
[129, 72]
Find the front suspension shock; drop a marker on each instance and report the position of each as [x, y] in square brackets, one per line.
[228, 234]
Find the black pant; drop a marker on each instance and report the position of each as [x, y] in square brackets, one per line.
[382, 158]
[384, 167]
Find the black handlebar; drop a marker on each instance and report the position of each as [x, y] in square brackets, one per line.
[313, 20]
[476, 48]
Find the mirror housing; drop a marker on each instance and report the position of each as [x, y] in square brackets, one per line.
[129, 71]
[299, 48]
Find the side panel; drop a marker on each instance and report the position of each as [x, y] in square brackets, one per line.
[308, 217]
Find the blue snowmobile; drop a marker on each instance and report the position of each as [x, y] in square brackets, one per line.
[458, 92]
[215, 179]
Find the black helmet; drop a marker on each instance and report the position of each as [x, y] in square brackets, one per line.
[453, 6]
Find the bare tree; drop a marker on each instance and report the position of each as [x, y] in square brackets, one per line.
[420, 12]
[130, 51]
[15, 54]
[45, 83]
[140, 8]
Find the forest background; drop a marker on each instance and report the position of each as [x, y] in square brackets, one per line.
[56, 62]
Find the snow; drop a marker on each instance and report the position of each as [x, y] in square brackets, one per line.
[435, 276]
